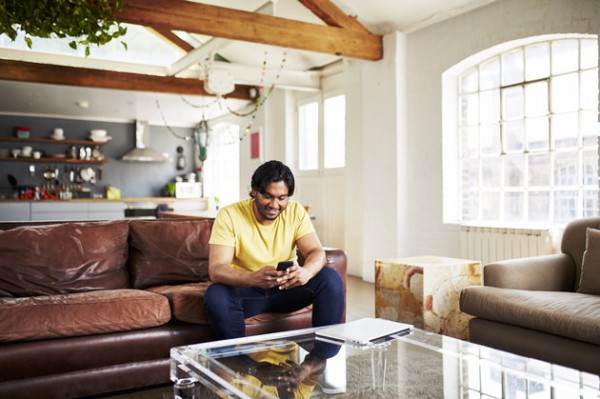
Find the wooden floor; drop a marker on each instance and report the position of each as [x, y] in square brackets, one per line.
[360, 299]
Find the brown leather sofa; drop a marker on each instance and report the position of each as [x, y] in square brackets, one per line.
[88, 308]
[532, 307]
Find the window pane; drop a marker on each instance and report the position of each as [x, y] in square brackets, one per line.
[540, 172]
[514, 171]
[590, 168]
[490, 206]
[489, 106]
[469, 110]
[536, 99]
[512, 67]
[537, 133]
[513, 134]
[512, 103]
[589, 127]
[491, 169]
[589, 53]
[565, 93]
[334, 109]
[590, 203]
[470, 205]
[537, 61]
[565, 129]
[565, 206]
[490, 74]
[539, 206]
[589, 89]
[308, 145]
[470, 174]
[470, 142]
[468, 82]
[565, 169]
[490, 139]
[564, 56]
[513, 206]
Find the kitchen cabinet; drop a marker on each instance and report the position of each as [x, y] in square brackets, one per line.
[61, 210]
[14, 211]
[87, 143]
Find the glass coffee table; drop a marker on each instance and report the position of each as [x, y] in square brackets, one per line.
[420, 364]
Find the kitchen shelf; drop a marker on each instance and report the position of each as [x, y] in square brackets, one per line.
[51, 141]
[53, 160]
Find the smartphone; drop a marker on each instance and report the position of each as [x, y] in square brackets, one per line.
[281, 266]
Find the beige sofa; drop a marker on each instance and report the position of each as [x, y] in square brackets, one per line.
[535, 306]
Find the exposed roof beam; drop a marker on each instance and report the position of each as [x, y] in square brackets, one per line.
[173, 38]
[210, 46]
[332, 15]
[54, 74]
[252, 27]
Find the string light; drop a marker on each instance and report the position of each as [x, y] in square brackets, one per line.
[184, 138]
[258, 102]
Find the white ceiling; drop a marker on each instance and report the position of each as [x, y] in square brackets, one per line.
[379, 16]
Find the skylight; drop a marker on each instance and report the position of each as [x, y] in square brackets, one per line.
[143, 47]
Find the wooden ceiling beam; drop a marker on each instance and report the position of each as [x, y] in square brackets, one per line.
[62, 75]
[332, 15]
[173, 38]
[251, 27]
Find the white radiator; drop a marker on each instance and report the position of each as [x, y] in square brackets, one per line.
[489, 244]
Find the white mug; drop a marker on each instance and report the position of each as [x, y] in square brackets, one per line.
[58, 132]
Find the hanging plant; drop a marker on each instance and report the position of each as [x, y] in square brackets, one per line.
[86, 21]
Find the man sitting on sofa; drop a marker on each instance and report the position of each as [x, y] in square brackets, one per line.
[248, 239]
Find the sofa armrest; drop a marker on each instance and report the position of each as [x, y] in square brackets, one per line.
[336, 258]
[554, 272]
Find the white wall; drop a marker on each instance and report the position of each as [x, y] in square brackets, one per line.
[393, 190]
[429, 53]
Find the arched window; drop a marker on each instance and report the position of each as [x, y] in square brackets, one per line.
[521, 134]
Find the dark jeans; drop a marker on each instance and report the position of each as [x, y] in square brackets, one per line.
[227, 307]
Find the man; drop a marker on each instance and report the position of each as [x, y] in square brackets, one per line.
[248, 239]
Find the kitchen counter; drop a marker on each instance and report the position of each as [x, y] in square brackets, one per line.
[208, 214]
[95, 208]
[134, 199]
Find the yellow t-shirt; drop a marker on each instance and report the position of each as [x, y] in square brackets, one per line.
[256, 245]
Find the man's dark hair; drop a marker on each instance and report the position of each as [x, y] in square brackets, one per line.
[272, 172]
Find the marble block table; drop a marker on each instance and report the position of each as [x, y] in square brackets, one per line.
[424, 291]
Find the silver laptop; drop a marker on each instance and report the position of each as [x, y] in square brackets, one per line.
[364, 331]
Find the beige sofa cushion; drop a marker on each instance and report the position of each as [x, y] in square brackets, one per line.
[63, 258]
[93, 312]
[590, 267]
[169, 252]
[567, 314]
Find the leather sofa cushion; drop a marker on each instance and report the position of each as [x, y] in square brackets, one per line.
[187, 304]
[187, 301]
[165, 252]
[63, 258]
[567, 314]
[94, 312]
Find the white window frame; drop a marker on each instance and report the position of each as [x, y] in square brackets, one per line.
[320, 100]
[451, 135]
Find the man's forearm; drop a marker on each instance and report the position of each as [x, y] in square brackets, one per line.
[315, 260]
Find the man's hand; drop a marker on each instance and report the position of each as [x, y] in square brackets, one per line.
[267, 277]
[294, 276]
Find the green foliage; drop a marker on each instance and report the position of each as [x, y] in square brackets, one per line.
[86, 21]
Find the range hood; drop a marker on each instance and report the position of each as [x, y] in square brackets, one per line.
[142, 151]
